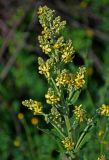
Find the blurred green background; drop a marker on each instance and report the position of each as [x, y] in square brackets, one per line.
[88, 27]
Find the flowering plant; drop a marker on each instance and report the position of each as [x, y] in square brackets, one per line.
[65, 86]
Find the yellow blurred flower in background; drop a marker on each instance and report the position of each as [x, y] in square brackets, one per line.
[100, 133]
[89, 32]
[17, 142]
[83, 4]
[20, 116]
[34, 121]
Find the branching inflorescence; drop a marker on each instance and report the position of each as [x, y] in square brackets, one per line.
[64, 85]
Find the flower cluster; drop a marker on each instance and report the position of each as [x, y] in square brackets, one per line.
[55, 117]
[68, 144]
[49, 40]
[45, 67]
[51, 97]
[59, 43]
[76, 81]
[59, 51]
[35, 106]
[104, 110]
[80, 113]
[61, 80]
[52, 26]
[68, 51]
[79, 78]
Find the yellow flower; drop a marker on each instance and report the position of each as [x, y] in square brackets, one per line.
[56, 46]
[79, 78]
[83, 4]
[46, 49]
[51, 97]
[44, 67]
[80, 113]
[20, 116]
[52, 27]
[67, 57]
[59, 43]
[89, 33]
[44, 43]
[34, 121]
[17, 142]
[58, 25]
[63, 79]
[68, 144]
[45, 34]
[42, 10]
[104, 142]
[67, 52]
[102, 157]
[35, 106]
[104, 110]
[44, 70]
[101, 133]
[45, 12]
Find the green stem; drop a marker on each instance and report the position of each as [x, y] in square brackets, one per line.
[68, 125]
[106, 130]
[56, 88]
[73, 97]
[81, 138]
[70, 95]
[32, 155]
[59, 131]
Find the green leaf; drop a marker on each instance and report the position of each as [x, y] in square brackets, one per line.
[85, 140]
[46, 131]
[74, 97]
